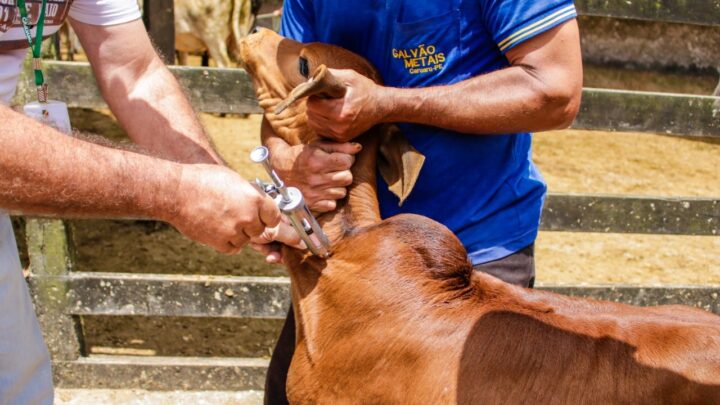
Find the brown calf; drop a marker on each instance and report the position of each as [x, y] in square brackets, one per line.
[397, 315]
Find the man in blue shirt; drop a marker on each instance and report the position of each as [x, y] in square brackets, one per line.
[466, 81]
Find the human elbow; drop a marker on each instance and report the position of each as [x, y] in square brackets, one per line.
[560, 104]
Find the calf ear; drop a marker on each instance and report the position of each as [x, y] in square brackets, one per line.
[399, 162]
[321, 83]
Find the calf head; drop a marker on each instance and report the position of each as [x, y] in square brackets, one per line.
[285, 72]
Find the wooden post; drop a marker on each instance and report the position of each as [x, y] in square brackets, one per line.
[159, 18]
[50, 253]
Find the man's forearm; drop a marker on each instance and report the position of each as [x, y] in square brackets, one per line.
[158, 116]
[540, 90]
[143, 94]
[504, 101]
[47, 173]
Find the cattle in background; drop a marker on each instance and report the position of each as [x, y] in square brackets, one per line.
[202, 25]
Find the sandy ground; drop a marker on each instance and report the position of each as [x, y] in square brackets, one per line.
[141, 397]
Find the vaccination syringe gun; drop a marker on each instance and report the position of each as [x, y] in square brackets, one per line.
[290, 201]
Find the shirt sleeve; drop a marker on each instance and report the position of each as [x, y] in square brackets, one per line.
[512, 22]
[298, 21]
[105, 12]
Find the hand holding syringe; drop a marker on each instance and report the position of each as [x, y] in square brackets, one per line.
[290, 201]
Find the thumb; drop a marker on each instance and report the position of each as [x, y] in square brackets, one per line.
[282, 233]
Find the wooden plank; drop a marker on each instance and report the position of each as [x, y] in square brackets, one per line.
[268, 297]
[159, 17]
[161, 373]
[230, 91]
[705, 297]
[702, 12]
[211, 90]
[177, 295]
[623, 214]
[50, 253]
[637, 111]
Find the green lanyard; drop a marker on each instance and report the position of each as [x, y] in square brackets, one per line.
[36, 47]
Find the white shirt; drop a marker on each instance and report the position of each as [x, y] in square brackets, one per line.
[13, 43]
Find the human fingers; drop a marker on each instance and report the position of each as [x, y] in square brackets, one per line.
[282, 233]
[323, 205]
[322, 125]
[269, 213]
[342, 178]
[237, 241]
[349, 148]
[320, 161]
[270, 251]
[324, 107]
[286, 234]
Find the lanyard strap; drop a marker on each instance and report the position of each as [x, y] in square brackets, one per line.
[36, 47]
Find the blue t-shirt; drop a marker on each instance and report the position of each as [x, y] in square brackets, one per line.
[486, 189]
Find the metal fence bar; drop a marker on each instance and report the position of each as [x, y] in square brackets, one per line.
[702, 12]
[268, 297]
[216, 90]
[623, 214]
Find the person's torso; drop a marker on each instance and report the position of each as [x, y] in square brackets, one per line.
[13, 43]
[484, 188]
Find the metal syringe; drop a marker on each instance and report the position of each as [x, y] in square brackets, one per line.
[291, 203]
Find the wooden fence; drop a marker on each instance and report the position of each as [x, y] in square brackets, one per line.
[62, 295]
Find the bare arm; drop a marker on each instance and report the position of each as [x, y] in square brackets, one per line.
[540, 90]
[143, 94]
[44, 172]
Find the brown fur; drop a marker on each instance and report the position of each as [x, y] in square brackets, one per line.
[397, 315]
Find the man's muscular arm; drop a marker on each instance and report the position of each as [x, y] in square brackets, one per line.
[44, 172]
[540, 90]
[143, 94]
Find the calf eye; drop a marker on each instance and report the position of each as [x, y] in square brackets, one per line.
[303, 65]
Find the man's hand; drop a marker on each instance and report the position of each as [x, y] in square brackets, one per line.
[342, 119]
[217, 207]
[321, 170]
[270, 242]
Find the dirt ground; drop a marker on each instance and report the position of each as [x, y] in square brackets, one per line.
[142, 397]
